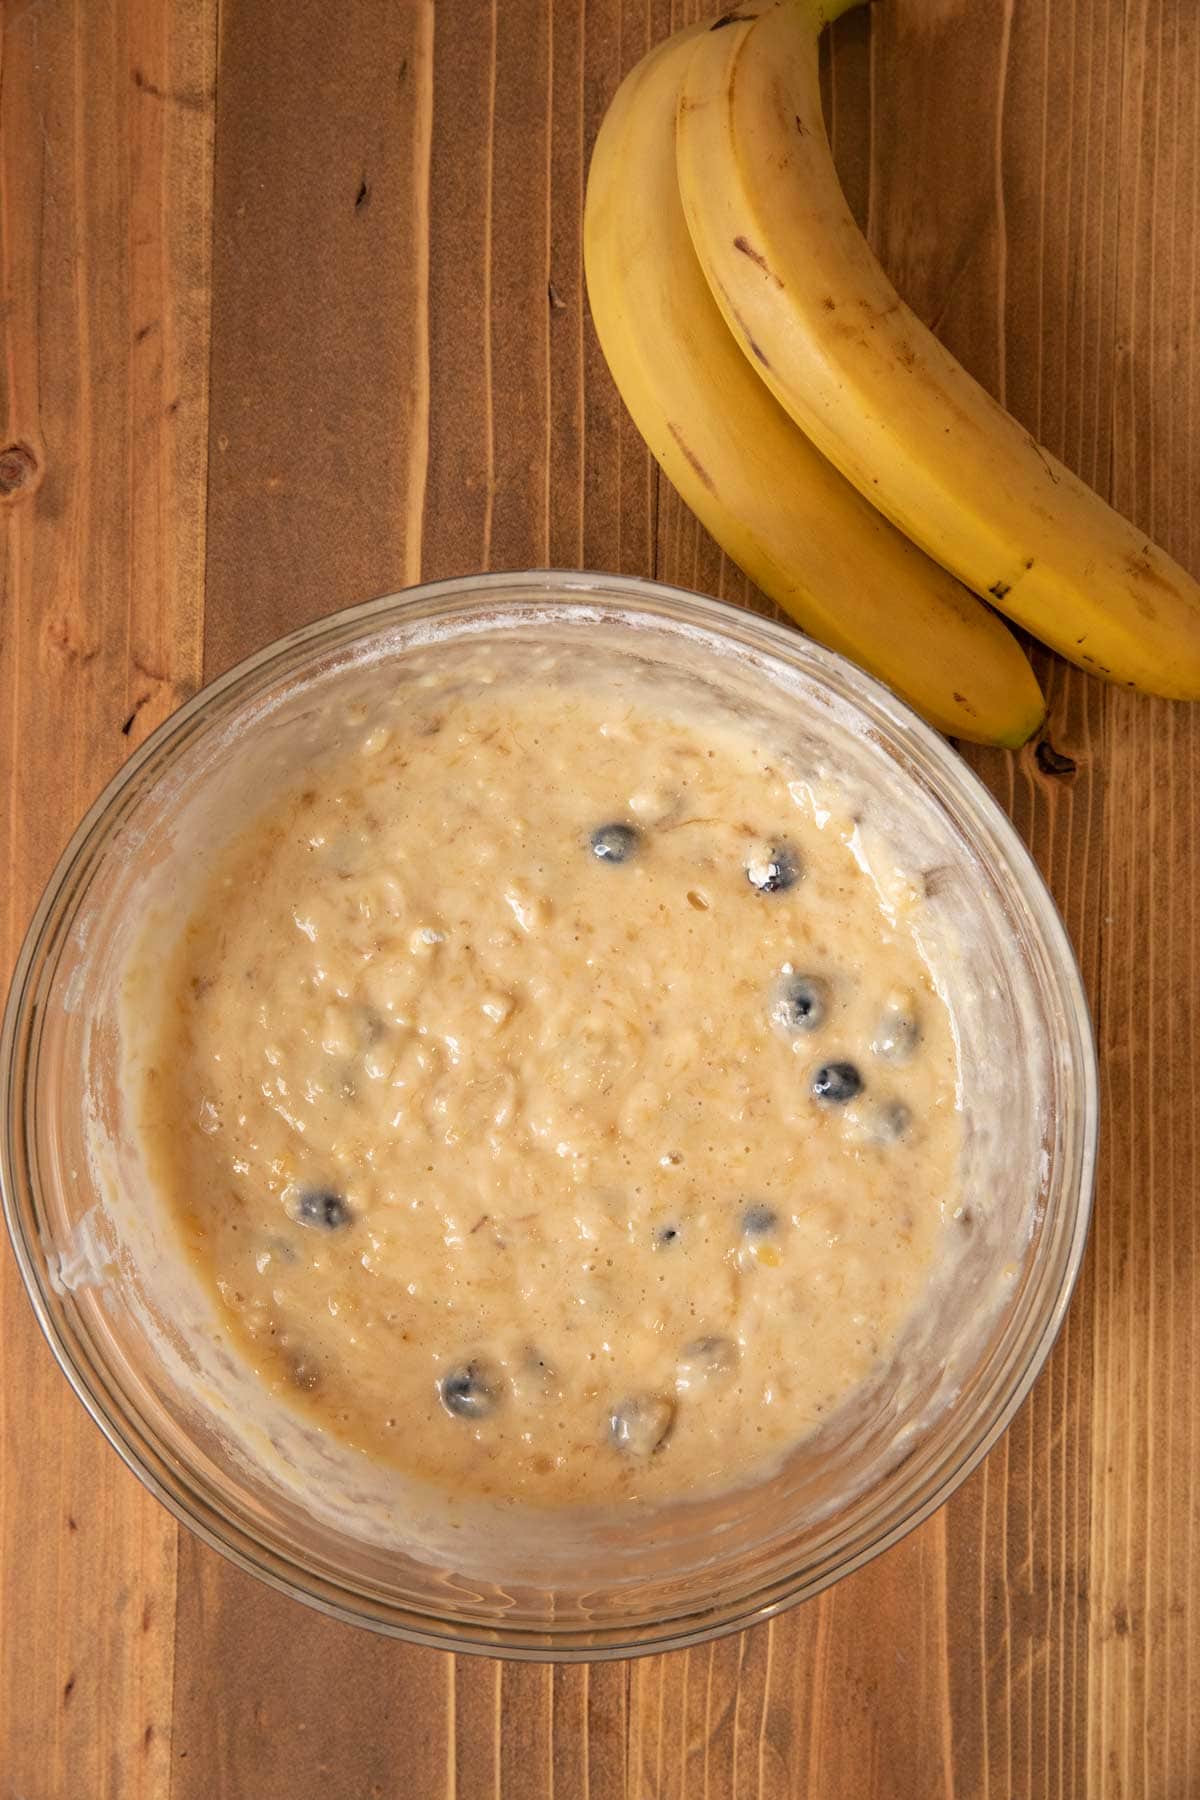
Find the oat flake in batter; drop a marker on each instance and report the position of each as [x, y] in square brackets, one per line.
[558, 1107]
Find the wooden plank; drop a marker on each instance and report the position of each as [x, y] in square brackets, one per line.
[1144, 1581]
[106, 157]
[320, 375]
[1011, 268]
[271, 1698]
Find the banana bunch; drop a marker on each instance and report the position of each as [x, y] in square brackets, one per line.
[826, 439]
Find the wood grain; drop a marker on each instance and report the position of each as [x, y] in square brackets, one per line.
[105, 192]
[997, 276]
[1145, 1604]
[320, 343]
[294, 314]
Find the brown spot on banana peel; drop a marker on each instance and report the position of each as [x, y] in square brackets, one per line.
[746, 248]
[755, 348]
[1000, 588]
[687, 451]
[881, 312]
[729, 18]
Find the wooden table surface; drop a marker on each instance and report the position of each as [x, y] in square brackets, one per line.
[292, 314]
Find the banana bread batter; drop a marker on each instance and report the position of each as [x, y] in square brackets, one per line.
[556, 1096]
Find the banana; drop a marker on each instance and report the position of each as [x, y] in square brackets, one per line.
[876, 392]
[771, 501]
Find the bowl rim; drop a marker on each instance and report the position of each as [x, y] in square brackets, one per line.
[561, 589]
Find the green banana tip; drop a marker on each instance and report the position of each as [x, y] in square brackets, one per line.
[1024, 734]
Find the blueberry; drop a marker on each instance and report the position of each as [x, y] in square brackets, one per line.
[705, 1359]
[469, 1392]
[615, 843]
[899, 1029]
[323, 1209]
[801, 1003]
[306, 1374]
[891, 1121]
[774, 869]
[836, 1083]
[757, 1221]
[370, 1024]
[642, 1424]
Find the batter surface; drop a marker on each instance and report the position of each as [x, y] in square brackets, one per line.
[556, 1097]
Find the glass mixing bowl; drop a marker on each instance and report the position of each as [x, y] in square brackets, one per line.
[128, 1321]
